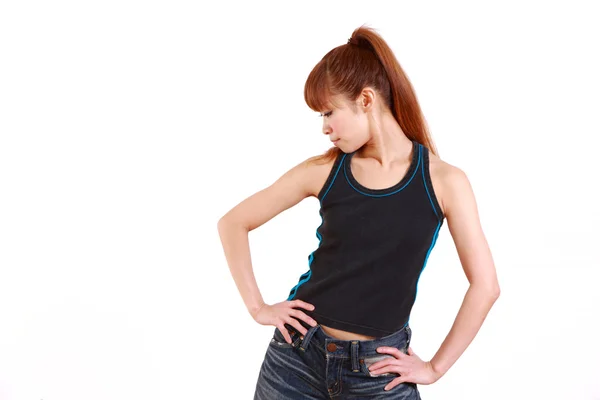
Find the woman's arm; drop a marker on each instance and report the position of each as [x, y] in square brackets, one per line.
[296, 184]
[455, 196]
[460, 208]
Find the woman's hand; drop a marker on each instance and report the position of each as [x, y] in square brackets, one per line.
[410, 367]
[284, 312]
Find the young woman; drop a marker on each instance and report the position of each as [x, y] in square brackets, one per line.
[384, 194]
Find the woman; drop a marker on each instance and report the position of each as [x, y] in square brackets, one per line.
[384, 193]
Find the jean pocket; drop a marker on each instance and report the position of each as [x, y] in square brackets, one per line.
[279, 341]
[367, 361]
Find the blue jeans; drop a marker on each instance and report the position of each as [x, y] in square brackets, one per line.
[319, 366]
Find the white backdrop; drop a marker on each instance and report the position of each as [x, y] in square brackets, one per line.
[128, 128]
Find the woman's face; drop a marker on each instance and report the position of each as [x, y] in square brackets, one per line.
[348, 129]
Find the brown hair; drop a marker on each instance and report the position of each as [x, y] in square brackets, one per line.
[367, 60]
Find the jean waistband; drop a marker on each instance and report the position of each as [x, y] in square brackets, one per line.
[345, 347]
[355, 350]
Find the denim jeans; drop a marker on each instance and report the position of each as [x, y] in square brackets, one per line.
[319, 366]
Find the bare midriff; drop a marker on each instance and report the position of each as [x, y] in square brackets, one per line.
[344, 335]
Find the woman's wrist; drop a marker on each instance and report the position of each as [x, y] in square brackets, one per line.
[253, 310]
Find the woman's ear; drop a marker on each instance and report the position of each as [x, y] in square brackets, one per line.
[367, 99]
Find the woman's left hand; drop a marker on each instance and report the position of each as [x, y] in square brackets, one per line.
[410, 367]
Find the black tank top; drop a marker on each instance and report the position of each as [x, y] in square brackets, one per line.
[373, 246]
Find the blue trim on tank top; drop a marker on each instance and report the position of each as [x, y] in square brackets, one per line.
[311, 257]
[435, 236]
[394, 192]
[426, 189]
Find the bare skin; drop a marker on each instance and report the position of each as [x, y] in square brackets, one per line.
[382, 158]
[344, 335]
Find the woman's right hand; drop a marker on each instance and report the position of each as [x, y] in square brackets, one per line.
[284, 312]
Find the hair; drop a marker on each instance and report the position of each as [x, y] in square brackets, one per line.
[366, 60]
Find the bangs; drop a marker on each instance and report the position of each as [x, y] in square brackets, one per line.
[317, 90]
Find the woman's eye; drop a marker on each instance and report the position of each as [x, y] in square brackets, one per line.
[327, 114]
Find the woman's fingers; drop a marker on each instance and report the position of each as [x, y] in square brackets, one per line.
[299, 314]
[303, 304]
[296, 324]
[303, 317]
[292, 318]
[285, 333]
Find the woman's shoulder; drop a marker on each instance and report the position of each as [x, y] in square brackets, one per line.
[447, 179]
[318, 168]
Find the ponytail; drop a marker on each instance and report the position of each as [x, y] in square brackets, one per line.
[367, 60]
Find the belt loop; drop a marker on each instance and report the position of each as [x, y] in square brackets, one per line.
[309, 334]
[354, 356]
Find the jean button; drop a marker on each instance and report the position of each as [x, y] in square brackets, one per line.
[331, 347]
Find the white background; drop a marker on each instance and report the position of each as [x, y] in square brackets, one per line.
[128, 128]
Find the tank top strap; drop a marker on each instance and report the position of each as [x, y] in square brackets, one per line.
[333, 173]
[426, 176]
